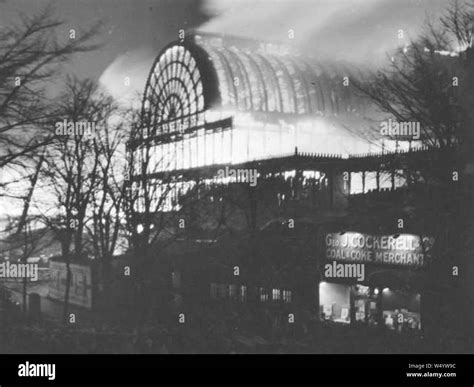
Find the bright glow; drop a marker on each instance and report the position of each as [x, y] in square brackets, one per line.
[370, 181]
[385, 180]
[289, 174]
[446, 53]
[253, 137]
[356, 183]
[213, 115]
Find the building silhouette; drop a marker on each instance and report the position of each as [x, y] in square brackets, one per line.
[270, 159]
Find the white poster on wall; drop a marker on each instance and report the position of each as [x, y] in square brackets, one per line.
[80, 290]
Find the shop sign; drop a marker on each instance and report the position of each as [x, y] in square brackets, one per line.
[400, 250]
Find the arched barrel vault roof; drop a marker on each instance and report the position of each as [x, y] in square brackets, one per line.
[205, 71]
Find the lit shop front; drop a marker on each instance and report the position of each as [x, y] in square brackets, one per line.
[374, 279]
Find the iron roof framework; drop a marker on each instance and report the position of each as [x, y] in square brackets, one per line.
[207, 71]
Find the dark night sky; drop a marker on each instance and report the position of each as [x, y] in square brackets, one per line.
[131, 27]
[361, 31]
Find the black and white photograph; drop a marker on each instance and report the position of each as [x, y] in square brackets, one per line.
[237, 177]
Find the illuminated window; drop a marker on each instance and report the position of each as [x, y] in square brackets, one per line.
[209, 140]
[174, 90]
[370, 181]
[239, 145]
[194, 150]
[385, 180]
[226, 147]
[272, 141]
[264, 296]
[287, 296]
[186, 152]
[334, 302]
[275, 294]
[287, 143]
[179, 155]
[150, 159]
[356, 183]
[255, 144]
[161, 157]
[217, 147]
[201, 148]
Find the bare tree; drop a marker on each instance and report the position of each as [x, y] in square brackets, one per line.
[431, 82]
[31, 55]
[31, 52]
[71, 173]
[106, 227]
